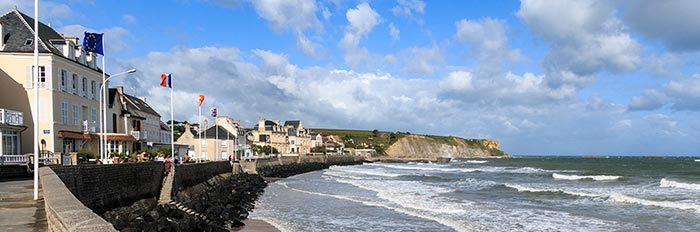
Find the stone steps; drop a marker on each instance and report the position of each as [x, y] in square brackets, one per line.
[167, 189]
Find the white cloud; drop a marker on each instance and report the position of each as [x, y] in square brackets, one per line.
[653, 19]
[650, 100]
[49, 12]
[680, 94]
[408, 7]
[394, 32]
[130, 19]
[420, 61]
[294, 15]
[116, 38]
[586, 37]
[361, 21]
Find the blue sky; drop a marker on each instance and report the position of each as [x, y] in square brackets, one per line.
[580, 77]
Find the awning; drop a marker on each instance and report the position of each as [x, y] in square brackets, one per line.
[83, 136]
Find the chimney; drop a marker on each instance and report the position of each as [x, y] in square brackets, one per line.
[261, 124]
[120, 89]
[196, 127]
[143, 99]
[187, 127]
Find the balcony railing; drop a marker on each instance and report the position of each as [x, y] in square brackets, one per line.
[89, 127]
[136, 134]
[11, 117]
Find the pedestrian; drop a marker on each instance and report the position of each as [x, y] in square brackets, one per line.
[168, 164]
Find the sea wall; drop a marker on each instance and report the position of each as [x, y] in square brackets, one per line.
[64, 212]
[423, 147]
[105, 187]
[292, 165]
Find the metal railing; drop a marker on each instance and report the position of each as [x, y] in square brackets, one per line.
[89, 127]
[137, 135]
[11, 117]
[13, 159]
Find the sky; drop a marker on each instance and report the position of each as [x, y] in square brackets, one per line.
[580, 77]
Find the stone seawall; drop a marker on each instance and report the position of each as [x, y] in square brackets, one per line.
[64, 212]
[105, 187]
[288, 166]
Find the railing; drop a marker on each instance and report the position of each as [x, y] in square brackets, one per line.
[137, 135]
[89, 127]
[11, 117]
[13, 159]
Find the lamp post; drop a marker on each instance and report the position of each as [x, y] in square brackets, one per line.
[103, 111]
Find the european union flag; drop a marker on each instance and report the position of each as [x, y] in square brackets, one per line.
[93, 43]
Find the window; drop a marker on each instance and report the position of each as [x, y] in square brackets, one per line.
[291, 142]
[204, 142]
[263, 138]
[74, 87]
[75, 114]
[92, 89]
[64, 76]
[224, 143]
[224, 155]
[10, 142]
[85, 87]
[69, 145]
[42, 75]
[204, 155]
[93, 115]
[64, 112]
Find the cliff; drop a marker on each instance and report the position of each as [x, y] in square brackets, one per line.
[429, 147]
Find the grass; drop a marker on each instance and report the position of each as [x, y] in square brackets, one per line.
[382, 140]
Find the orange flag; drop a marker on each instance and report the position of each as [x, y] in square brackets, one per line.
[201, 99]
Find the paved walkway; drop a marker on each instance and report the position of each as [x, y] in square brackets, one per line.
[18, 209]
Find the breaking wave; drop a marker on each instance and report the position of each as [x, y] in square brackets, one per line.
[477, 161]
[577, 177]
[664, 183]
[521, 188]
[618, 197]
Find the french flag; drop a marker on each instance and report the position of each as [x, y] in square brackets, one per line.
[165, 80]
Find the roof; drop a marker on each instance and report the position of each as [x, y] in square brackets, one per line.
[132, 103]
[294, 123]
[211, 132]
[18, 28]
[268, 125]
[164, 126]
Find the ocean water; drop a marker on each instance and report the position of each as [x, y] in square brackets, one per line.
[515, 194]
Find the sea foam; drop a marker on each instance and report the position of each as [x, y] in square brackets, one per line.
[664, 183]
[477, 161]
[456, 225]
[577, 177]
[521, 188]
[364, 171]
[618, 197]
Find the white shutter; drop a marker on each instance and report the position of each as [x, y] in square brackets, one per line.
[49, 77]
[69, 82]
[29, 82]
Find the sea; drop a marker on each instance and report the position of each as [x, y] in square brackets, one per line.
[510, 194]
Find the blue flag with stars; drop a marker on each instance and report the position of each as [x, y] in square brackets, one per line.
[93, 43]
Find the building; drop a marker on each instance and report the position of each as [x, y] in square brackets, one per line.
[270, 133]
[316, 139]
[68, 86]
[290, 138]
[223, 140]
[11, 127]
[298, 138]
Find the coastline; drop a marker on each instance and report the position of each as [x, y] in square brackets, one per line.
[256, 225]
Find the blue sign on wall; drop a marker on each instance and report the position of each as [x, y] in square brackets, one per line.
[46, 132]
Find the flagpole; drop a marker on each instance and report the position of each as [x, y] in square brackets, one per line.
[36, 100]
[216, 138]
[172, 128]
[199, 131]
[105, 98]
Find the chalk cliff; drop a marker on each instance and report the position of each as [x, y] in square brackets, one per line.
[419, 146]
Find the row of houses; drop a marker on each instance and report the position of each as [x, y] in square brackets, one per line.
[69, 101]
[69, 97]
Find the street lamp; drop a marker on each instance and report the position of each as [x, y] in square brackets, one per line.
[103, 110]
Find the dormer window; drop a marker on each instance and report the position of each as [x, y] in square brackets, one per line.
[28, 42]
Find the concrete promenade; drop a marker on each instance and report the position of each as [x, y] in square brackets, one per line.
[18, 209]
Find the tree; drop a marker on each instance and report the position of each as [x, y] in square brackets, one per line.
[264, 149]
[375, 132]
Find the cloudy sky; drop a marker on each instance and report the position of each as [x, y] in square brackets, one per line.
[577, 77]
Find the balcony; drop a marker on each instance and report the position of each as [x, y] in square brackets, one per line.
[137, 135]
[11, 117]
[89, 127]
